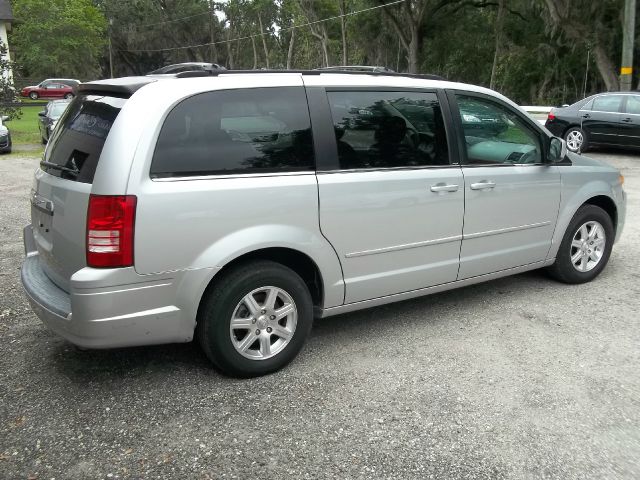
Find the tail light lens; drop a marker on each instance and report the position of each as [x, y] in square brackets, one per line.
[551, 116]
[110, 230]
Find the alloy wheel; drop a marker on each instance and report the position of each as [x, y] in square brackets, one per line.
[587, 247]
[574, 140]
[263, 323]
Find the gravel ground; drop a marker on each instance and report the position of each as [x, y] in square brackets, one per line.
[521, 377]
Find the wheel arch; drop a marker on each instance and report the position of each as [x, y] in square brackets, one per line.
[608, 205]
[594, 193]
[299, 262]
[569, 127]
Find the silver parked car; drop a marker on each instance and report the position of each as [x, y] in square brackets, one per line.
[237, 208]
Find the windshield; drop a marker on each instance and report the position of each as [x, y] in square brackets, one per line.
[58, 109]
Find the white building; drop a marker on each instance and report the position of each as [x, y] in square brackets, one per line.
[6, 17]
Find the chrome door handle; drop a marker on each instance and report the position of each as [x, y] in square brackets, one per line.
[626, 120]
[441, 187]
[482, 185]
[586, 115]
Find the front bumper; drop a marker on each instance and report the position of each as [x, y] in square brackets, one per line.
[105, 308]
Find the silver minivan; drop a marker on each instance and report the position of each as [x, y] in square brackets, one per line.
[237, 207]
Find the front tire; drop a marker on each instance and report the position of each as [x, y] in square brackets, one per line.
[68, 96]
[254, 319]
[576, 139]
[33, 95]
[586, 246]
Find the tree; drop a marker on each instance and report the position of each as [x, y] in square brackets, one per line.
[593, 28]
[7, 90]
[61, 38]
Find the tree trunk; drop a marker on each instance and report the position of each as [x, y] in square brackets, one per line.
[264, 42]
[606, 68]
[414, 50]
[290, 52]
[325, 46]
[230, 63]
[212, 34]
[343, 26]
[255, 53]
[237, 54]
[498, 48]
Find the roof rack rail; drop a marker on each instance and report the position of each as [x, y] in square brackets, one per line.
[216, 73]
[356, 68]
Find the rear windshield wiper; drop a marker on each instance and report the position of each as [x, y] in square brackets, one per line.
[55, 166]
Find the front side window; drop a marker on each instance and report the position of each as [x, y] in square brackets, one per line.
[633, 104]
[494, 134]
[607, 103]
[388, 129]
[259, 130]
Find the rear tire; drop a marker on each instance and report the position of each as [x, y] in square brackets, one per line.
[229, 321]
[576, 139]
[579, 257]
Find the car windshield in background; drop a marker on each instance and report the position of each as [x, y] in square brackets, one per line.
[57, 109]
[76, 145]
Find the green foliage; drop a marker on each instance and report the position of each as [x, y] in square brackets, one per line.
[60, 38]
[541, 56]
[7, 90]
[25, 130]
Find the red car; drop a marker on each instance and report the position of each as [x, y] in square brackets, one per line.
[50, 88]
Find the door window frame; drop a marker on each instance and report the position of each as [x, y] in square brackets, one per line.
[324, 137]
[544, 139]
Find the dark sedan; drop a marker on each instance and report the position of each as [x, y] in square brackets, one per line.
[605, 119]
[48, 118]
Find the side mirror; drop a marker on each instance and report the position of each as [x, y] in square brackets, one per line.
[42, 113]
[557, 150]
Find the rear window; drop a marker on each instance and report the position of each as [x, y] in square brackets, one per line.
[75, 147]
[258, 130]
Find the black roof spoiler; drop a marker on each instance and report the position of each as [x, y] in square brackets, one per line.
[116, 87]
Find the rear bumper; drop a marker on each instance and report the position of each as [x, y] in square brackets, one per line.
[556, 127]
[106, 308]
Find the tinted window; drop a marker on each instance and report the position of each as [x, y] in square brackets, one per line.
[607, 103]
[495, 134]
[633, 104]
[388, 129]
[76, 144]
[236, 131]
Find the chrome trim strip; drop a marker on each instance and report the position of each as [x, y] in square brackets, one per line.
[237, 175]
[505, 230]
[389, 169]
[374, 302]
[394, 248]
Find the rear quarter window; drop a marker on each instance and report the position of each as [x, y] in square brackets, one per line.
[259, 130]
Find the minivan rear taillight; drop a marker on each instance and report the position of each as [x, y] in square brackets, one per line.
[110, 228]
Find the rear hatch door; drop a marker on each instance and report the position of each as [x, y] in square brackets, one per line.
[63, 184]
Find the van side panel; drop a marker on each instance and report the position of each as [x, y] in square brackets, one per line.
[206, 223]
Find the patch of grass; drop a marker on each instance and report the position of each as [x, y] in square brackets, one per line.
[25, 130]
[36, 155]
